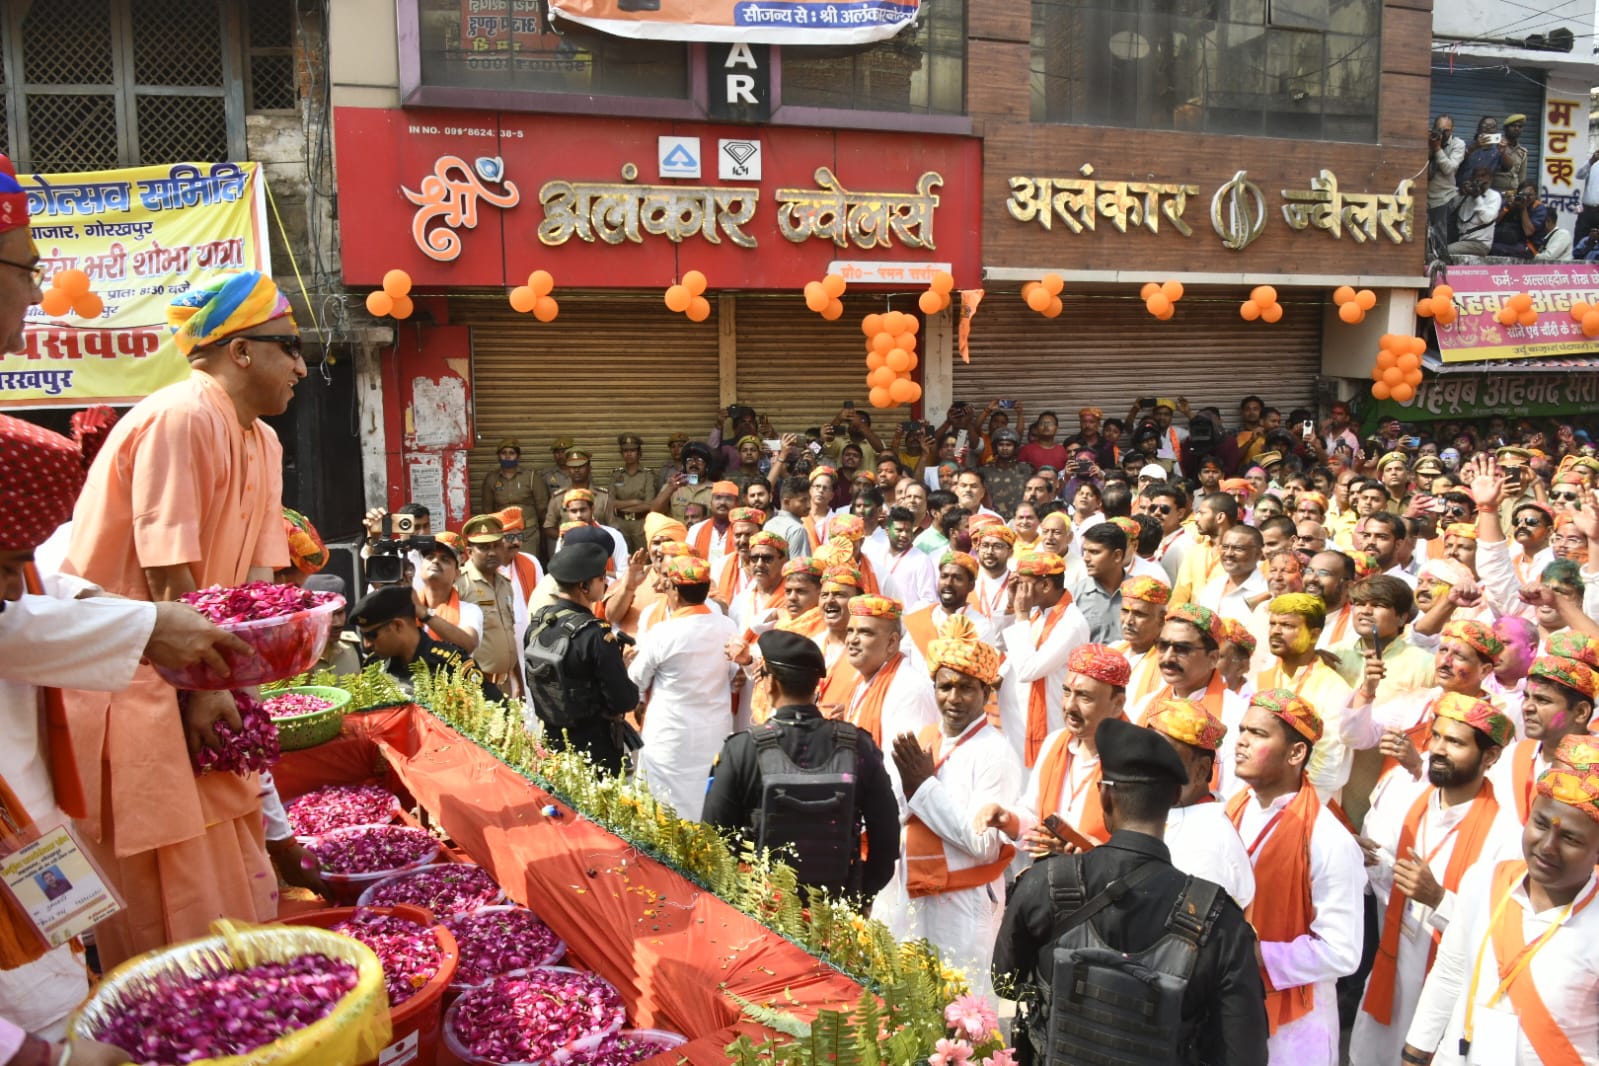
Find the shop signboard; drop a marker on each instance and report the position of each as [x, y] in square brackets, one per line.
[1508, 394]
[143, 235]
[1480, 291]
[763, 21]
[475, 199]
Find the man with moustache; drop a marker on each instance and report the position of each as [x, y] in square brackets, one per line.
[1187, 652]
[841, 583]
[957, 577]
[1143, 613]
[1295, 620]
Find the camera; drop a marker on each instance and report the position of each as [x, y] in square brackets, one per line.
[399, 525]
[386, 564]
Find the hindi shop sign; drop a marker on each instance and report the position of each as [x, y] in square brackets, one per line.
[460, 199]
[1508, 395]
[143, 236]
[751, 21]
[1480, 291]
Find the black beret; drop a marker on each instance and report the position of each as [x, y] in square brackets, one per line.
[782, 648]
[1136, 755]
[589, 535]
[384, 605]
[576, 563]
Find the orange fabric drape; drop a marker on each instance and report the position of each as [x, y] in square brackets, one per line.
[1038, 694]
[728, 583]
[1548, 1040]
[838, 684]
[927, 871]
[1052, 782]
[1286, 912]
[527, 573]
[867, 715]
[1522, 757]
[919, 624]
[702, 539]
[1472, 830]
[62, 760]
[1212, 700]
[449, 610]
[20, 940]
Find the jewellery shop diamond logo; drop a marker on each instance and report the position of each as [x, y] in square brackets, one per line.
[738, 160]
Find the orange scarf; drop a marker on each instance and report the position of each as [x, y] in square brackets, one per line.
[702, 538]
[1337, 624]
[1146, 675]
[527, 573]
[1473, 830]
[837, 685]
[1215, 694]
[810, 531]
[866, 714]
[921, 627]
[688, 610]
[1052, 782]
[1038, 695]
[1420, 735]
[1548, 1040]
[731, 580]
[927, 871]
[1522, 758]
[1286, 912]
[869, 585]
[807, 624]
[449, 610]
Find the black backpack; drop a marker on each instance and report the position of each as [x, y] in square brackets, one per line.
[811, 814]
[553, 698]
[1108, 1008]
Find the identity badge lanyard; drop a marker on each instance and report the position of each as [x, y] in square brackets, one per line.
[53, 884]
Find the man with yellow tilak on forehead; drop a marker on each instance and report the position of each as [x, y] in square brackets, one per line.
[1294, 624]
[186, 493]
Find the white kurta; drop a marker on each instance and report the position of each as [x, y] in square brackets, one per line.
[991, 596]
[985, 632]
[1231, 601]
[1322, 687]
[1331, 949]
[908, 707]
[1565, 971]
[1075, 789]
[682, 665]
[962, 925]
[1028, 658]
[1203, 843]
[912, 578]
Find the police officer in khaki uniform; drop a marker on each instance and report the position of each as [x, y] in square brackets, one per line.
[674, 444]
[513, 485]
[632, 487]
[692, 485]
[482, 583]
[554, 479]
[577, 470]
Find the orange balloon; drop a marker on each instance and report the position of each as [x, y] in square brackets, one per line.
[1157, 304]
[872, 324]
[545, 309]
[1264, 295]
[72, 282]
[1386, 358]
[930, 302]
[522, 299]
[1053, 283]
[898, 360]
[396, 283]
[910, 325]
[1506, 316]
[1055, 307]
[1413, 377]
[89, 305]
[910, 362]
[677, 298]
[1527, 318]
[1579, 309]
[694, 282]
[1417, 345]
[894, 322]
[834, 285]
[1272, 313]
[1029, 286]
[1351, 312]
[1424, 307]
[699, 309]
[915, 392]
[875, 359]
[1343, 294]
[906, 340]
[1403, 392]
[1393, 376]
[868, 381]
[1446, 315]
[402, 307]
[541, 282]
[815, 296]
[833, 311]
[1249, 310]
[943, 282]
[1379, 390]
[1521, 301]
[1376, 372]
[1166, 315]
[1366, 299]
[1590, 322]
[1039, 298]
[881, 398]
[902, 390]
[378, 302]
[1443, 292]
[882, 377]
[1172, 289]
[1150, 288]
[1408, 362]
[883, 342]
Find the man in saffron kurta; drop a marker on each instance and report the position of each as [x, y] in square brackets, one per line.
[186, 493]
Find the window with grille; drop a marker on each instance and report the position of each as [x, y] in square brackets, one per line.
[98, 84]
[922, 70]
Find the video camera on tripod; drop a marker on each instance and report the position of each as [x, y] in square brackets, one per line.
[386, 565]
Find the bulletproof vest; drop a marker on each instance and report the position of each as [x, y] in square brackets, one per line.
[811, 814]
[558, 699]
[1110, 1008]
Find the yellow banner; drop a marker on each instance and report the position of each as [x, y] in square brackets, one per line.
[143, 235]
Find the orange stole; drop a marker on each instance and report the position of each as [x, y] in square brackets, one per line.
[920, 626]
[1038, 694]
[837, 685]
[927, 871]
[1287, 912]
[1552, 1045]
[702, 539]
[1473, 830]
[60, 758]
[810, 531]
[449, 610]
[1052, 781]
[867, 715]
[527, 573]
[1522, 757]
[1215, 693]
[728, 582]
[869, 583]
[1420, 735]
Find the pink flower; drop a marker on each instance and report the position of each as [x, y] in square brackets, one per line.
[971, 1015]
[950, 1053]
[1003, 1057]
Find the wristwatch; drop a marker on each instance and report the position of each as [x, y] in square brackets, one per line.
[427, 618]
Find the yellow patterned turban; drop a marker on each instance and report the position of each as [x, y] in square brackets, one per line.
[958, 648]
[1188, 721]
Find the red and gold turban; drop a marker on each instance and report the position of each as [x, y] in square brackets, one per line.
[1201, 618]
[1143, 587]
[1579, 790]
[876, 607]
[808, 564]
[688, 570]
[1578, 751]
[1235, 632]
[1569, 673]
[1299, 715]
[1479, 714]
[1569, 644]
[1187, 721]
[40, 477]
[307, 553]
[1040, 564]
[770, 540]
[511, 519]
[725, 488]
[1463, 530]
[961, 559]
[846, 525]
[1476, 636]
[958, 648]
[819, 471]
[580, 495]
[672, 549]
[1099, 662]
[751, 515]
[844, 574]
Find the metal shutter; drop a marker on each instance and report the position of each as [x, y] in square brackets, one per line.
[1468, 95]
[608, 364]
[1105, 350]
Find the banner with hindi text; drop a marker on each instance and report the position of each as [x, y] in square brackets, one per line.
[143, 235]
[750, 21]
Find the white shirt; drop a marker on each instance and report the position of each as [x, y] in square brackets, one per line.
[1030, 657]
[1075, 787]
[990, 595]
[1590, 184]
[985, 632]
[1203, 843]
[1477, 215]
[1142, 567]
[908, 707]
[1173, 548]
[911, 578]
[1232, 604]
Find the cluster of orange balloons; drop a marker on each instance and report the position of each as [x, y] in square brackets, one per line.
[1440, 306]
[1262, 304]
[823, 296]
[1588, 315]
[69, 291]
[936, 298]
[688, 297]
[394, 299]
[1398, 369]
[535, 296]
[1044, 296]
[1352, 305]
[1518, 311]
[1160, 297]
[890, 358]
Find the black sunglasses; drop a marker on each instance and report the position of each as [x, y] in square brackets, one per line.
[291, 343]
[1159, 508]
[1180, 647]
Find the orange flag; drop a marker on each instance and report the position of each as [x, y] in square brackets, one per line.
[970, 298]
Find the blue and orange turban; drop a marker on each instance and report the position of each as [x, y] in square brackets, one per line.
[13, 197]
[229, 303]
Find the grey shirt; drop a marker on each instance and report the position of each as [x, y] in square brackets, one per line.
[1102, 608]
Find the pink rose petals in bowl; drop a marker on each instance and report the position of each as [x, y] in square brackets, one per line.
[626, 1048]
[286, 627]
[501, 941]
[353, 858]
[546, 1015]
[340, 807]
[443, 888]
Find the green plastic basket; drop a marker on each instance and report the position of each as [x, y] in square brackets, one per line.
[309, 730]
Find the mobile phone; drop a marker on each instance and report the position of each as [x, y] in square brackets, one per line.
[1007, 405]
[1066, 834]
[815, 449]
[773, 446]
[1307, 428]
[849, 405]
[693, 479]
[910, 425]
[1495, 138]
[1376, 644]
[1411, 442]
